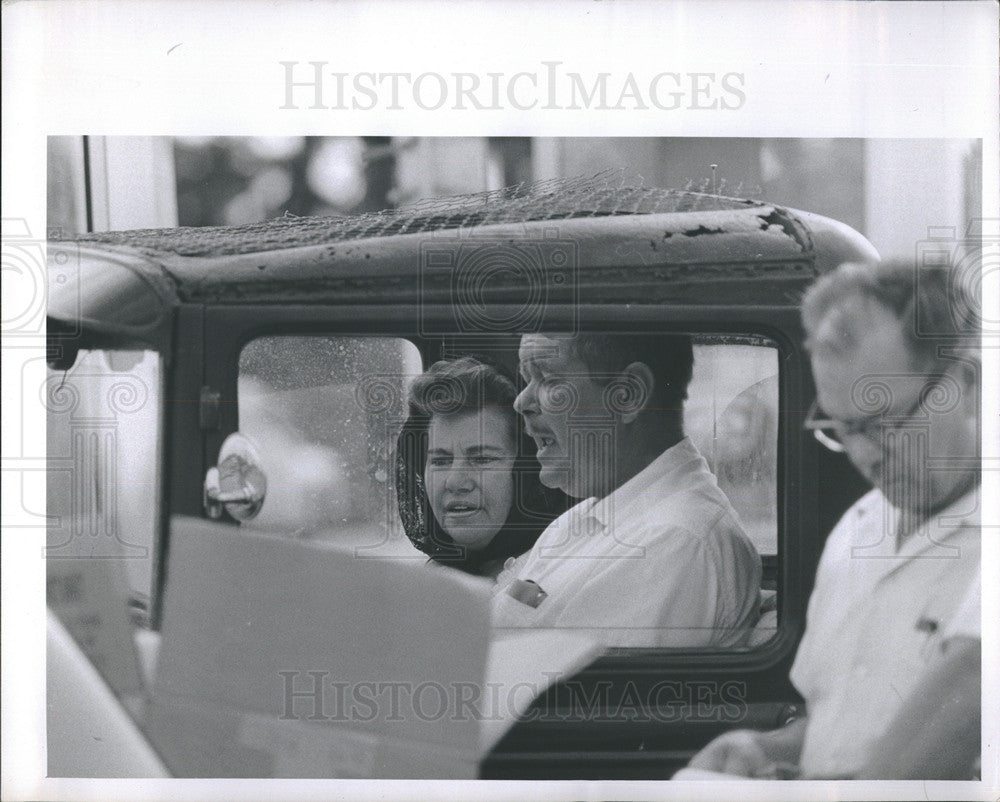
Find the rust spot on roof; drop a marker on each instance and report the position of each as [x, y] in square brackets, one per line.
[784, 221]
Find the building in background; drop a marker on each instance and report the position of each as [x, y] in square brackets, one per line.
[896, 192]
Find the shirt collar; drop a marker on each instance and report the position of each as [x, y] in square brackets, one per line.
[930, 536]
[938, 537]
[628, 498]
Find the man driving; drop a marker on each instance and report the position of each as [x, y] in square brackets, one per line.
[654, 554]
[889, 662]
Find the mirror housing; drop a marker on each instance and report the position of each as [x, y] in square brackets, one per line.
[238, 484]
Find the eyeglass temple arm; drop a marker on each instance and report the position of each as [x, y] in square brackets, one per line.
[816, 426]
[827, 441]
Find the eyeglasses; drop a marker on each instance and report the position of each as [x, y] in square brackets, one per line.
[832, 432]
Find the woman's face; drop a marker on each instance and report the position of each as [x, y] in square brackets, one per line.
[469, 473]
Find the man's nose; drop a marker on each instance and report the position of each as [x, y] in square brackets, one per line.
[526, 402]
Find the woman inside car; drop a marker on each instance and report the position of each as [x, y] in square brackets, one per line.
[466, 475]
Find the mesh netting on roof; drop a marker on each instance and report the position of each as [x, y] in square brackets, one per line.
[561, 199]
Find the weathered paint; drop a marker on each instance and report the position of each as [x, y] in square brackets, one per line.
[759, 254]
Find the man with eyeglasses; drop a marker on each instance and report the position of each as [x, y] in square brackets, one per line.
[889, 664]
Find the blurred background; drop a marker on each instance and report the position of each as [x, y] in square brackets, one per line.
[891, 190]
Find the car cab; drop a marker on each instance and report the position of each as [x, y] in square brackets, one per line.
[252, 379]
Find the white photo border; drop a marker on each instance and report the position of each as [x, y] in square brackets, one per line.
[830, 68]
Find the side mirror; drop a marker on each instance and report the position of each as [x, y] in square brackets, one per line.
[238, 484]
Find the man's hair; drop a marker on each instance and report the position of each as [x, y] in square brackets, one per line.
[464, 385]
[933, 310]
[670, 357]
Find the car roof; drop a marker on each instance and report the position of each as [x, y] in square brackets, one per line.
[614, 243]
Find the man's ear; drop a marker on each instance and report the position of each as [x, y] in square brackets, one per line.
[630, 393]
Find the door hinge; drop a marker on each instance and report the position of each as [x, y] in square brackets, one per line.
[208, 408]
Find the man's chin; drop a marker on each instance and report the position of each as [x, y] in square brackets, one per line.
[553, 478]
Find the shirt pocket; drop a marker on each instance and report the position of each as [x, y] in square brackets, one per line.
[919, 642]
[509, 612]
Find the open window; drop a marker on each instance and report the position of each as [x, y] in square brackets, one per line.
[323, 413]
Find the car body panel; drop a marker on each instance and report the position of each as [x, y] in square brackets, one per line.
[753, 254]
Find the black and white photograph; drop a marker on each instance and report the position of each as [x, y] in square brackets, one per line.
[421, 424]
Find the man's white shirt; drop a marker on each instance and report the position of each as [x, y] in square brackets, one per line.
[661, 561]
[876, 618]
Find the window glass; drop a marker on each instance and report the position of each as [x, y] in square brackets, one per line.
[732, 416]
[324, 413]
[103, 433]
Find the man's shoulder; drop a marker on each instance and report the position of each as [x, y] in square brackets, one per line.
[870, 506]
[704, 521]
[873, 500]
[685, 504]
[682, 475]
[868, 524]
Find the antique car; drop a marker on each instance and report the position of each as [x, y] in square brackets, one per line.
[256, 375]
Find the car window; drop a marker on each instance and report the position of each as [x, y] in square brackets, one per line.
[324, 413]
[732, 416]
[103, 419]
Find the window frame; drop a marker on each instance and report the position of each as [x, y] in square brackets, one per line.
[229, 328]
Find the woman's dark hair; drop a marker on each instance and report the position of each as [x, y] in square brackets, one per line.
[456, 387]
